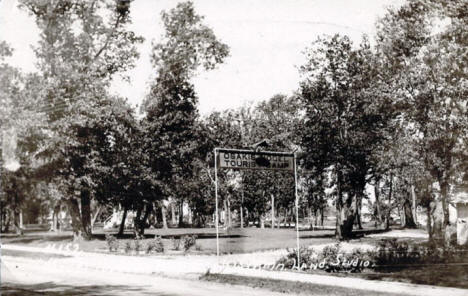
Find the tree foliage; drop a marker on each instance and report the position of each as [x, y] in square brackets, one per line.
[344, 118]
[80, 50]
[174, 134]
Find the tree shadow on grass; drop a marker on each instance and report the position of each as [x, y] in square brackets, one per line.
[53, 289]
[177, 236]
[317, 236]
[356, 234]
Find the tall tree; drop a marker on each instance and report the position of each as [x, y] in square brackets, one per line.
[172, 122]
[20, 135]
[79, 53]
[344, 119]
[423, 46]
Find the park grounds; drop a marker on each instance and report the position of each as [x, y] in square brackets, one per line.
[244, 253]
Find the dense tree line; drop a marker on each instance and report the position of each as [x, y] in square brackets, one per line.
[389, 112]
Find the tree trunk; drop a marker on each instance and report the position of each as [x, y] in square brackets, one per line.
[429, 222]
[8, 223]
[21, 225]
[444, 195]
[278, 224]
[53, 227]
[224, 213]
[345, 219]
[437, 215]
[16, 222]
[358, 210]
[156, 214]
[190, 218]
[228, 213]
[55, 213]
[321, 216]
[164, 214]
[74, 211]
[181, 214]
[377, 203]
[86, 214]
[407, 213]
[401, 213]
[272, 211]
[389, 210]
[6, 218]
[122, 223]
[413, 196]
[242, 210]
[344, 212]
[173, 214]
[143, 222]
[241, 217]
[247, 217]
[137, 221]
[315, 218]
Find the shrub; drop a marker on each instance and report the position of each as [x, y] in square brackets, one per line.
[331, 259]
[112, 243]
[149, 247]
[138, 245]
[155, 245]
[128, 247]
[394, 254]
[188, 241]
[175, 243]
[307, 256]
[159, 245]
[337, 260]
[390, 254]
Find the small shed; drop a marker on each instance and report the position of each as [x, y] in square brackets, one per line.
[460, 201]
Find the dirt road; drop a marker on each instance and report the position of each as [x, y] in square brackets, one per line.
[20, 276]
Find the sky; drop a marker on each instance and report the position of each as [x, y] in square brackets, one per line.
[267, 39]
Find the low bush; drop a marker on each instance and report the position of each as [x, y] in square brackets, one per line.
[175, 243]
[335, 259]
[128, 247]
[112, 243]
[137, 245]
[306, 255]
[389, 255]
[394, 254]
[188, 241]
[331, 258]
[155, 245]
[390, 252]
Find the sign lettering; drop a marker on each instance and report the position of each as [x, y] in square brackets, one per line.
[255, 160]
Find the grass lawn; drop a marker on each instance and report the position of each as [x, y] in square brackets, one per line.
[232, 241]
[448, 275]
[250, 240]
[289, 287]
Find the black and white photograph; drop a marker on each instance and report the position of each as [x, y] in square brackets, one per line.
[234, 147]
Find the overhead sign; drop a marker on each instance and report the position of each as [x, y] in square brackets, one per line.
[253, 159]
[248, 160]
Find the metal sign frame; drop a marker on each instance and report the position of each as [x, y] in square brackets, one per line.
[272, 153]
[244, 160]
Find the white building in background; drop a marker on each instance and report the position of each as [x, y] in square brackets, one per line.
[460, 204]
